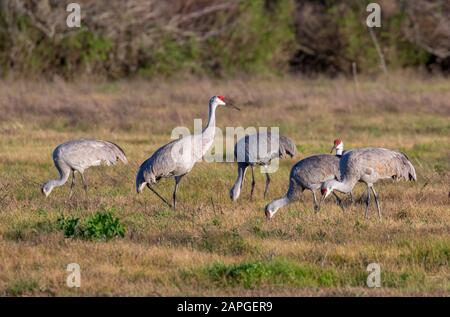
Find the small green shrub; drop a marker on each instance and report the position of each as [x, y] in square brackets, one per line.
[102, 225]
[68, 225]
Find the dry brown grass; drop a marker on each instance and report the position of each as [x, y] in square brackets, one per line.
[173, 253]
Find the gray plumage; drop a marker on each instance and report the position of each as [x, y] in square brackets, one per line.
[167, 161]
[259, 149]
[369, 165]
[77, 156]
[177, 158]
[161, 165]
[308, 173]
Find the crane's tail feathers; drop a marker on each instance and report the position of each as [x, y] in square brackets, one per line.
[411, 171]
[287, 147]
[119, 152]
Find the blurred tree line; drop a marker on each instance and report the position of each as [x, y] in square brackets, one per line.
[220, 37]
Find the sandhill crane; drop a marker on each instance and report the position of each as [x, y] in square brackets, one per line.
[259, 149]
[369, 165]
[77, 156]
[178, 157]
[308, 173]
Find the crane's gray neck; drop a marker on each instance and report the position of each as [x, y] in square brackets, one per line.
[63, 177]
[209, 131]
[273, 207]
[345, 186]
[56, 182]
[211, 125]
[236, 189]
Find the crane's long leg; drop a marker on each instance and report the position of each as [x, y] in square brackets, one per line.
[366, 213]
[72, 185]
[316, 205]
[157, 194]
[84, 183]
[174, 196]
[360, 199]
[376, 201]
[339, 201]
[243, 176]
[267, 185]
[253, 183]
[352, 200]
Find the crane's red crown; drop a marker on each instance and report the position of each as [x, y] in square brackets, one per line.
[221, 98]
[337, 141]
[323, 191]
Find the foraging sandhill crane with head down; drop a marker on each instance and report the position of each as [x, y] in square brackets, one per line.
[369, 165]
[178, 157]
[259, 149]
[77, 156]
[308, 173]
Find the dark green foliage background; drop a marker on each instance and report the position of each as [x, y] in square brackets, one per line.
[265, 37]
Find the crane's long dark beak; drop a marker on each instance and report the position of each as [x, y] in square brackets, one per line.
[333, 148]
[230, 103]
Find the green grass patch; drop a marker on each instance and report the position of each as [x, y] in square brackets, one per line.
[430, 255]
[276, 272]
[29, 228]
[412, 280]
[21, 287]
[274, 233]
[224, 242]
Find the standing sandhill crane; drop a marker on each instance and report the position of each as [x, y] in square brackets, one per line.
[259, 149]
[308, 173]
[368, 165]
[77, 156]
[177, 158]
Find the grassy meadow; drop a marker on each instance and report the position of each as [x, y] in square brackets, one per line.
[211, 246]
